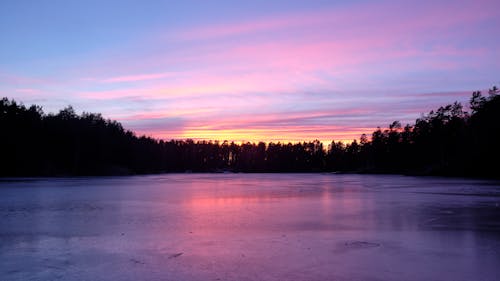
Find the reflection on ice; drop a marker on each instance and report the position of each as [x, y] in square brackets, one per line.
[250, 227]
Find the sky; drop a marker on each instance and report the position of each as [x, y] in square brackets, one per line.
[258, 70]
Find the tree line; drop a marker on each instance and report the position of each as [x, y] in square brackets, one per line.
[447, 141]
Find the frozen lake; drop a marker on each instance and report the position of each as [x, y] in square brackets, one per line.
[250, 227]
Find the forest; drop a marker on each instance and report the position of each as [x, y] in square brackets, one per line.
[448, 141]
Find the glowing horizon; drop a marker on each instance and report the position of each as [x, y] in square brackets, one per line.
[258, 71]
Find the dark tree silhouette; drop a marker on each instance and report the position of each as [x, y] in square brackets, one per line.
[447, 141]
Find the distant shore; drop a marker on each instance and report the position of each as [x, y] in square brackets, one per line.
[446, 142]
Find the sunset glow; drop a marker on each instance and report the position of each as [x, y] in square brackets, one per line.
[257, 71]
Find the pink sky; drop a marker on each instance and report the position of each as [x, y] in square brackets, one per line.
[324, 73]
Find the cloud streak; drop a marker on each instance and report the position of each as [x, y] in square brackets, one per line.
[138, 77]
[300, 75]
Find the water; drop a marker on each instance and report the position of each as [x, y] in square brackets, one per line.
[250, 227]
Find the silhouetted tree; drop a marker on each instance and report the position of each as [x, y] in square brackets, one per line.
[447, 141]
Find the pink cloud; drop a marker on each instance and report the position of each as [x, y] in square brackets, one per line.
[253, 127]
[388, 16]
[326, 122]
[201, 83]
[27, 91]
[252, 78]
[274, 23]
[139, 77]
[345, 54]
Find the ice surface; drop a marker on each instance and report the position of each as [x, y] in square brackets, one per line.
[250, 227]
